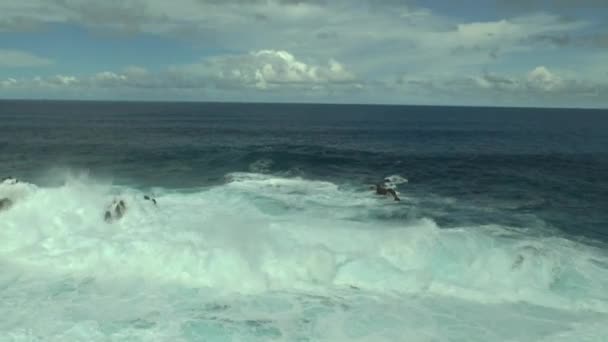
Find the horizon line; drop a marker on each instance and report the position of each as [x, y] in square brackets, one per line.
[297, 103]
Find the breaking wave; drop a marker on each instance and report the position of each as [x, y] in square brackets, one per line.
[311, 248]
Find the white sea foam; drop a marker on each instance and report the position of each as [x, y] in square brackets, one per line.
[269, 258]
[395, 179]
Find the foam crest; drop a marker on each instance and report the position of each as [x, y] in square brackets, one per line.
[394, 180]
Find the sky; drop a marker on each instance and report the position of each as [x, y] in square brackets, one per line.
[540, 53]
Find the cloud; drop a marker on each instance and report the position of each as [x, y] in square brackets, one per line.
[513, 33]
[264, 70]
[539, 86]
[542, 79]
[148, 16]
[18, 23]
[108, 78]
[8, 83]
[535, 5]
[583, 40]
[360, 32]
[287, 23]
[324, 47]
[444, 46]
[62, 80]
[498, 82]
[20, 59]
[539, 81]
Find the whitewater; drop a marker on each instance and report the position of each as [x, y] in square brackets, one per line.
[268, 258]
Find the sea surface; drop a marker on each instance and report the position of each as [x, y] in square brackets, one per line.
[265, 227]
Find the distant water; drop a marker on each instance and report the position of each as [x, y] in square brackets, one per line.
[266, 229]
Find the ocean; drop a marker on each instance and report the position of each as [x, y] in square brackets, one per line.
[265, 227]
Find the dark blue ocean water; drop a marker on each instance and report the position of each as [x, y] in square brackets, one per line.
[501, 165]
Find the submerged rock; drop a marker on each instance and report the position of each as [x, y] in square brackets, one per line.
[5, 204]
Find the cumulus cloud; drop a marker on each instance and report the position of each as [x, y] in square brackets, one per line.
[38, 82]
[108, 79]
[264, 70]
[62, 80]
[542, 79]
[19, 59]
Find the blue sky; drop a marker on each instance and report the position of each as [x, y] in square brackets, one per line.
[502, 52]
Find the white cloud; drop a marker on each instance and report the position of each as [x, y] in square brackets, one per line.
[538, 87]
[266, 69]
[19, 59]
[8, 83]
[62, 80]
[542, 79]
[108, 79]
